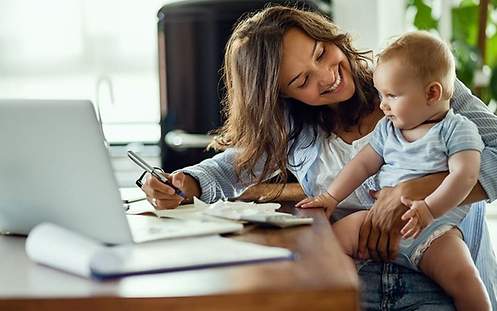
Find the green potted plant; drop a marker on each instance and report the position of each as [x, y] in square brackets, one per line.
[477, 68]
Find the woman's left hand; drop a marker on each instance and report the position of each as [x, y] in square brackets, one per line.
[379, 236]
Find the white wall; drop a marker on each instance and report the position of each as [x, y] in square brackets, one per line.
[371, 22]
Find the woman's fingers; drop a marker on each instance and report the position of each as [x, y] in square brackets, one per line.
[393, 245]
[168, 204]
[364, 232]
[178, 179]
[383, 246]
[159, 186]
[160, 195]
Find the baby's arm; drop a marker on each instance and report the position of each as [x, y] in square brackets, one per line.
[366, 163]
[464, 168]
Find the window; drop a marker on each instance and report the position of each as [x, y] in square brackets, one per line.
[105, 51]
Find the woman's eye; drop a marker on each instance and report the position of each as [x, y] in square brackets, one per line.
[321, 54]
[303, 83]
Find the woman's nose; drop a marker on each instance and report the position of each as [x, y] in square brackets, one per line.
[326, 76]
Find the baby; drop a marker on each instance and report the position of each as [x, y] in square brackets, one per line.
[419, 135]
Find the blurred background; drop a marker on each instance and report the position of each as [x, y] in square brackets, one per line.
[151, 66]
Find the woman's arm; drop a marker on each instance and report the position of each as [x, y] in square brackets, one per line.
[420, 188]
[291, 192]
[468, 105]
[216, 176]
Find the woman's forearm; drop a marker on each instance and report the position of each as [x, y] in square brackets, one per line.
[263, 192]
[420, 188]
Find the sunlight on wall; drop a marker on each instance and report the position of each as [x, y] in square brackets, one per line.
[66, 48]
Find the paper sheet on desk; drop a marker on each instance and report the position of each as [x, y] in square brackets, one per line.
[200, 210]
[65, 250]
[60, 248]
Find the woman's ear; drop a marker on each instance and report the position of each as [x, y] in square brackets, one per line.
[433, 92]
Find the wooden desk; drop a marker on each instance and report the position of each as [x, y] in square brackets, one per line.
[321, 278]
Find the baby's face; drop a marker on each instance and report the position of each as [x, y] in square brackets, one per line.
[402, 94]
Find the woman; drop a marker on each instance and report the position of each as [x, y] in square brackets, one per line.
[300, 97]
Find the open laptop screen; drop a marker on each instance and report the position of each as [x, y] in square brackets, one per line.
[54, 167]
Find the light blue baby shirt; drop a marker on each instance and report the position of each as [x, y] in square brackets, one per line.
[404, 160]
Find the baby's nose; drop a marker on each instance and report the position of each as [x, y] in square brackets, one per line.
[384, 105]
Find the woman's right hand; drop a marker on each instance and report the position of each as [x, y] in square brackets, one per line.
[160, 195]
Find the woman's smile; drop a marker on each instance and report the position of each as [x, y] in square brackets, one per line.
[314, 72]
[337, 85]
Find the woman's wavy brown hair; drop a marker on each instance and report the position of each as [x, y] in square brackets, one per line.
[257, 115]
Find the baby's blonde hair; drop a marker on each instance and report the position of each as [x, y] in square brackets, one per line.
[429, 57]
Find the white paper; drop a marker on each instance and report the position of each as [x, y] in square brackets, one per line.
[200, 210]
[181, 254]
[60, 248]
[146, 228]
[238, 210]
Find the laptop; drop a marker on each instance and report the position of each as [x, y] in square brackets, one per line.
[55, 167]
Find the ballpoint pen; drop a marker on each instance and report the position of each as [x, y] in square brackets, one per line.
[141, 163]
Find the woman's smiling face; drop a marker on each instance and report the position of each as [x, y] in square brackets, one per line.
[314, 72]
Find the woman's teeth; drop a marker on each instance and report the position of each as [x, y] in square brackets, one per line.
[337, 82]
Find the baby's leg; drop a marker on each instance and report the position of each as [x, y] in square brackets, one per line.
[448, 262]
[347, 231]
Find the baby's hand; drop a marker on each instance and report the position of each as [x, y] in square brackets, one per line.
[419, 216]
[324, 200]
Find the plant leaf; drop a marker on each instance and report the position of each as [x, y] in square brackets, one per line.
[491, 51]
[465, 24]
[493, 83]
[467, 58]
[423, 19]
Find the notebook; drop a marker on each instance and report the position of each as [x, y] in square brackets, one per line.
[68, 251]
[55, 167]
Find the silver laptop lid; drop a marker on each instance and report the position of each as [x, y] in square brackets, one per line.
[55, 168]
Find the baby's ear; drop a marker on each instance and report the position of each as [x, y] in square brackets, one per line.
[433, 92]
